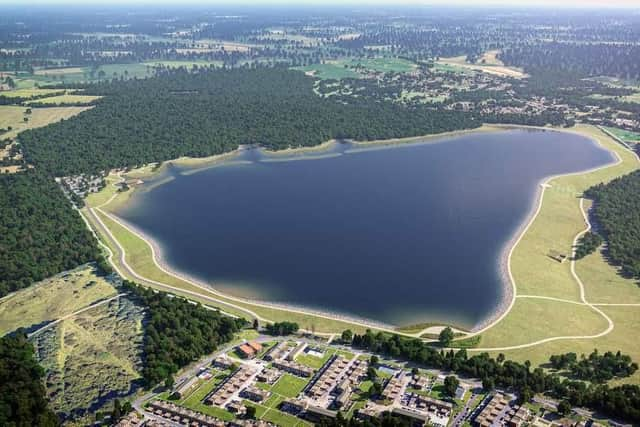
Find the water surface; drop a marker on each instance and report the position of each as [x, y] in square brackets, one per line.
[404, 234]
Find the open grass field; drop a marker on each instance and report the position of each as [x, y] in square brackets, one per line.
[138, 70]
[385, 65]
[635, 97]
[347, 68]
[535, 273]
[14, 116]
[93, 357]
[459, 62]
[30, 92]
[625, 135]
[490, 57]
[53, 298]
[289, 385]
[194, 400]
[530, 320]
[58, 71]
[186, 64]
[329, 71]
[317, 362]
[557, 223]
[617, 82]
[66, 99]
[421, 97]
[535, 319]
[627, 322]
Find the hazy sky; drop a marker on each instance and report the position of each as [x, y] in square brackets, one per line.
[511, 3]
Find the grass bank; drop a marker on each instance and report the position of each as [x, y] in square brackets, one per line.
[560, 311]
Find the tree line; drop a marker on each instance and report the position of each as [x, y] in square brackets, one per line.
[40, 233]
[617, 212]
[23, 401]
[619, 401]
[177, 332]
[207, 112]
[595, 367]
[577, 58]
[587, 244]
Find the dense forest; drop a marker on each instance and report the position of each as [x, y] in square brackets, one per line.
[40, 233]
[22, 394]
[178, 332]
[282, 328]
[595, 367]
[581, 59]
[587, 244]
[210, 112]
[617, 212]
[620, 401]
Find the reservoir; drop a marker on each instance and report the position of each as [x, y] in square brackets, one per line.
[402, 234]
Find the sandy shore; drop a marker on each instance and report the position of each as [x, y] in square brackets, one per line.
[504, 261]
[435, 137]
[159, 259]
[510, 287]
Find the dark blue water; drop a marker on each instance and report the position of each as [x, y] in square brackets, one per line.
[406, 234]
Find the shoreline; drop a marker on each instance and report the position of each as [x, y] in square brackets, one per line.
[504, 259]
[510, 245]
[159, 259]
[141, 173]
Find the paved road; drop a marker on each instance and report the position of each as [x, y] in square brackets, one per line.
[462, 415]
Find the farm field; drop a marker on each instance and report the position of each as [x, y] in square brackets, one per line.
[491, 68]
[14, 116]
[30, 92]
[53, 298]
[396, 65]
[93, 357]
[329, 71]
[140, 70]
[66, 99]
[187, 64]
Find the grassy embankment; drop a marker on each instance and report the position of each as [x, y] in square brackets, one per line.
[139, 253]
[139, 257]
[535, 273]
